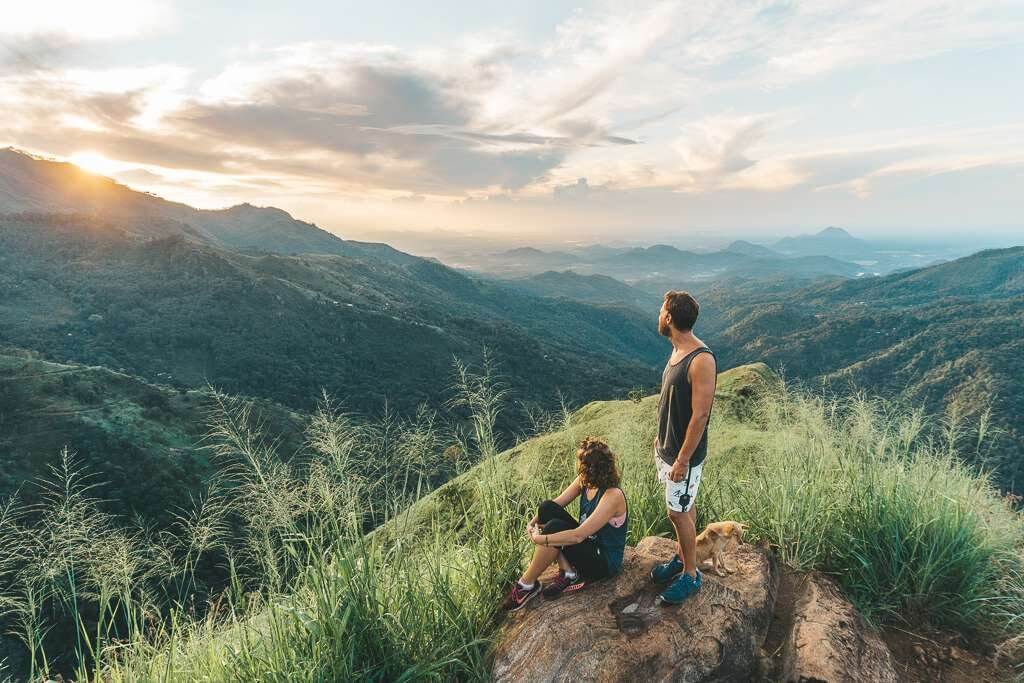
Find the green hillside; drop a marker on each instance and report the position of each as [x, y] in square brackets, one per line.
[139, 444]
[597, 289]
[845, 488]
[945, 338]
[285, 327]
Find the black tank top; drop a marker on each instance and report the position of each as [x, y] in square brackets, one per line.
[611, 539]
[675, 408]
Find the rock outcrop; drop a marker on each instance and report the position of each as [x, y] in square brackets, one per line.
[829, 642]
[613, 630]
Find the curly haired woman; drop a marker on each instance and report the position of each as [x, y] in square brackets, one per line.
[587, 550]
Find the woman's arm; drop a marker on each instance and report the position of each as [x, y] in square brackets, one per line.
[570, 493]
[566, 497]
[612, 504]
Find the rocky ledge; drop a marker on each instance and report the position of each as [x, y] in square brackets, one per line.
[615, 630]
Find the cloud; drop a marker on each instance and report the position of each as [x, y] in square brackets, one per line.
[702, 99]
[367, 116]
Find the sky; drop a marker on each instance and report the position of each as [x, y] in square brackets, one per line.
[539, 121]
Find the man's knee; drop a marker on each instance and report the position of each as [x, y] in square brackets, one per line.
[680, 518]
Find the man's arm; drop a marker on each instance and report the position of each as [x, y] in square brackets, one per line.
[702, 384]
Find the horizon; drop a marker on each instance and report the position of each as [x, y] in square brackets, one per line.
[447, 244]
[540, 124]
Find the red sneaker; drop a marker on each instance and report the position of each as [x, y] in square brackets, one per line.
[563, 584]
[519, 596]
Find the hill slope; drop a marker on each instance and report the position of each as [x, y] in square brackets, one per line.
[841, 491]
[947, 335]
[597, 289]
[139, 443]
[284, 327]
[32, 185]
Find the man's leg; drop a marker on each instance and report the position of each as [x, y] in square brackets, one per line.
[679, 499]
[686, 535]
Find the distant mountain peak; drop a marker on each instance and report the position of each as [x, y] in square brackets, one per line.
[523, 251]
[654, 248]
[750, 249]
[832, 241]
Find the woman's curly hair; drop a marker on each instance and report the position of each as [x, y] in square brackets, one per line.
[596, 464]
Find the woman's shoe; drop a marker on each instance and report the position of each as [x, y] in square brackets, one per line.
[519, 596]
[663, 573]
[684, 587]
[563, 584]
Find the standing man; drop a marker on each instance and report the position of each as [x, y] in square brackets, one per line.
[687, 391]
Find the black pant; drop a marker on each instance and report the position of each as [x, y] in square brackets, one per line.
[586, 556]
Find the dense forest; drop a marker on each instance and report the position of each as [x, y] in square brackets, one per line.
[286, 327]
[946, 339]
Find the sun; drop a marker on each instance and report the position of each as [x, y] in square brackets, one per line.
[94, 162]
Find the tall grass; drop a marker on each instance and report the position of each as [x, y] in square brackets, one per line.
[877, 497]
[869, 493]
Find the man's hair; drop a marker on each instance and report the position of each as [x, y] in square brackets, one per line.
[596, 464]
[683, 308]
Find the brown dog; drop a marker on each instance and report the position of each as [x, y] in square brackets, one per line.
[712, 541]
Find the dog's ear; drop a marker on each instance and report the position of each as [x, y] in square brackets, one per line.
[712, 531]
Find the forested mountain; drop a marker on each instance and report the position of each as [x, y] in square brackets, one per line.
[138, 445]
[751, 249]
[284, 327]
[949, 338]
[598, 289]
[833, 241]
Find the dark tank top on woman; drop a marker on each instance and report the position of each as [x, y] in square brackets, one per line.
[610, 539]
[675, 408]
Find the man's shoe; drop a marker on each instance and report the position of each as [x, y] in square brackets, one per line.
[519, 596]
[563, 584]
[663, 573]
[682, 588]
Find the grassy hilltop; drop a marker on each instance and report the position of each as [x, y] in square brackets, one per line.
[875, 497]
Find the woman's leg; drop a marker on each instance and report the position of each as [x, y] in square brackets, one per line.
[587, 559]
[564, 564]
[550, 510]
[544, 555]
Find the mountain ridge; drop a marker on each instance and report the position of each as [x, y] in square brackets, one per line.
[284, 327]
[31, 184]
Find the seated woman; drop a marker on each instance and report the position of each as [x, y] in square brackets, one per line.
[587, 550]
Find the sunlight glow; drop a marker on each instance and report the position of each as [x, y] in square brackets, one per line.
[94, 162]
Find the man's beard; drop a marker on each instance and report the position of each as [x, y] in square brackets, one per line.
[664, 329]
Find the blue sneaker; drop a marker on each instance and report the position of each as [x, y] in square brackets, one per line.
[663, 573]
[682, 588]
